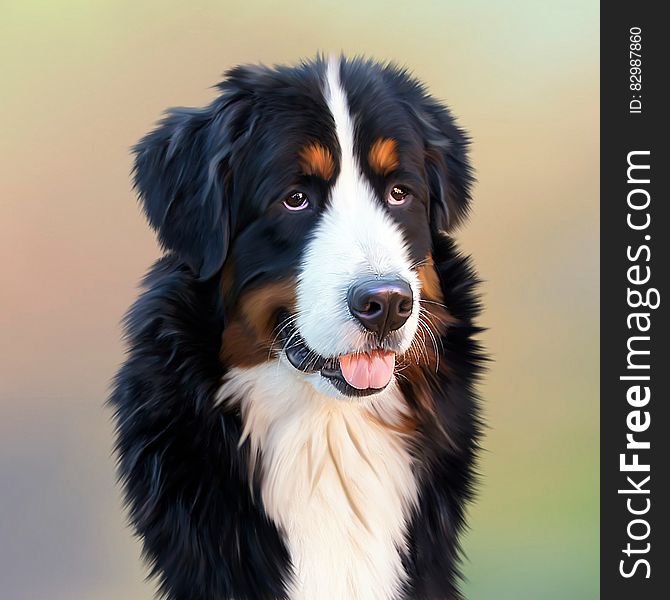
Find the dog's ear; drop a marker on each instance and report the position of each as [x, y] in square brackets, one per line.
[447, 165]
[181, 173]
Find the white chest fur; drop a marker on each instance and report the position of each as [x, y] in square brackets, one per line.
[339, 484]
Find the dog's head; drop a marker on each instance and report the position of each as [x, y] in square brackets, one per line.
[315, 194]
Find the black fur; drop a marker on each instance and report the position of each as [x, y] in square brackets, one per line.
[185, 479]
[448, 464]
[210, 180]
[423, 126]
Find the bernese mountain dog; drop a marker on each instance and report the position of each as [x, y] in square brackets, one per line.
[296, 417]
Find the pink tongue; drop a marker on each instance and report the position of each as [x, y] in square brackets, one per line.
[364, 371]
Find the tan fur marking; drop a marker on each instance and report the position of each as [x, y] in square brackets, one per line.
[259, 306]
[227, 278]
[240, 347]
[430, 282]
[383, 156]
[316, 159]
[248, 337]
[423, 359]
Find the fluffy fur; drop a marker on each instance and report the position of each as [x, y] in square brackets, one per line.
[335, 480]
[250, 470]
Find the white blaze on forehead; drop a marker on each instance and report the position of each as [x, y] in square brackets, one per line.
[344, 126]
[352, 193]
[354, 238]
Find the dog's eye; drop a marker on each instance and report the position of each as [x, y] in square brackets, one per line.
[296, 201]
[398, 195]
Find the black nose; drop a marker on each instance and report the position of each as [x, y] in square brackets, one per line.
[381, 305]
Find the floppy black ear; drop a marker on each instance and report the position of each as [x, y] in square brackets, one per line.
[448, 167]
[180, 172]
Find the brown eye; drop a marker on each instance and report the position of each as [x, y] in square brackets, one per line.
[296, 201]
[398, 195]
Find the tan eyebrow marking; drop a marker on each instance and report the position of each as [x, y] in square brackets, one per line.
[316, 159]
[383, 156]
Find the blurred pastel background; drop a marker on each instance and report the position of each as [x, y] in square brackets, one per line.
[82, 80]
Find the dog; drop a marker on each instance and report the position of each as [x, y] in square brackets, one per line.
[297, 415]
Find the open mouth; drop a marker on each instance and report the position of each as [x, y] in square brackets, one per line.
[356, 374]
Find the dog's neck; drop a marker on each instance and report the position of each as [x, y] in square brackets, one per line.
[336, 477]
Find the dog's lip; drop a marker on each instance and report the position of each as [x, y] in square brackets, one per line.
[306, 360]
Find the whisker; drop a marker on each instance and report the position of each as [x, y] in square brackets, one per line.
[426, 322]
[428, 319]
[282, 326]
[420, 263]
[423, 329]
[424, 300]
[430, 316]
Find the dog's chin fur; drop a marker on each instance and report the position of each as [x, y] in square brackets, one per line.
[247, 473]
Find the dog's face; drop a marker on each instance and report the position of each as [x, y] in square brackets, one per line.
[314, 193]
